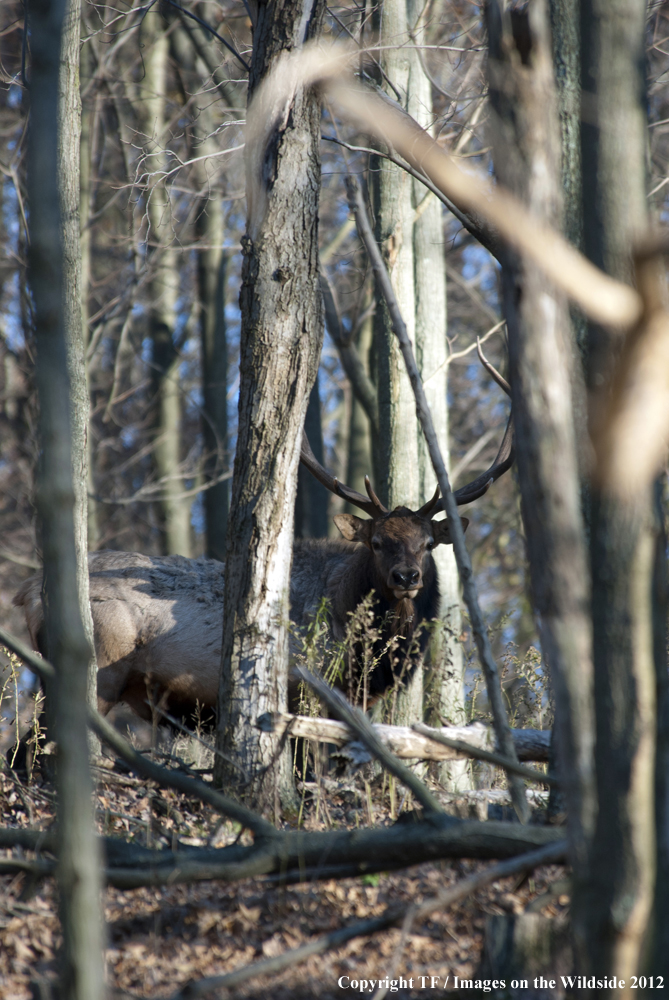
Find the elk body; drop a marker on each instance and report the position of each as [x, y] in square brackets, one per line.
[158, 620]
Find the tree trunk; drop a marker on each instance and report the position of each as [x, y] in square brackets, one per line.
[526, 152]
[163, 293]
[446, 661]
[613, 909]
[212, 274]
[397, 478]
[67, 644]
[89, 128]
[69, 129]
[410, 231]
[282, 329]
[359, 461]
[660, 954]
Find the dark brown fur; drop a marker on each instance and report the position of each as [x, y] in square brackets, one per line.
[158, 620]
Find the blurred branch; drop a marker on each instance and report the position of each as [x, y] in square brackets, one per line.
[477, 753]
[475, 226]
[602, 298]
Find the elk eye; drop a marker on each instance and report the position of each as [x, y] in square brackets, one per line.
[430, 545]
[376, 545]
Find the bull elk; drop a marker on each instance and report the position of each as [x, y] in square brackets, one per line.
[158, 620]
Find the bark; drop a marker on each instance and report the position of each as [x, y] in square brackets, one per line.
[447, 696]
[282, 329]
[68, 646]
[163, 293]
[212, 274]
[410, 231]
[566, 38]
[69, 128]
[613, 908]
[89, 131]
[405, 743]
[397, 479]
[526, 154]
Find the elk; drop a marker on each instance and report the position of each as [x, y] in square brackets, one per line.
[158, 619]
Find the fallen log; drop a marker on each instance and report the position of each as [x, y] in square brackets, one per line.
[531, 744]
[294, 855]
[299, 855]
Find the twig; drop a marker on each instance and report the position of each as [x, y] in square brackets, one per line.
[556, 853]
[363, 729]
[492, 758]
[349, 356]
[485, 235]
[501, 723]
[546, 855]
[194, 17]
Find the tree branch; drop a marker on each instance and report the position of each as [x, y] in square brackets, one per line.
[492, 758]
[501, 723]
[477, 227]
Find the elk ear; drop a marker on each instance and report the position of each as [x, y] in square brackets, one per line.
[441, 533]
[354, 529]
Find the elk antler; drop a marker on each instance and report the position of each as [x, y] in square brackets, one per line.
[504, 457]
[371, 506]
[472, 491]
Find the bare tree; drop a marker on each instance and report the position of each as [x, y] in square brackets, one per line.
[69, 131]
[280, 346]
[527, 160]
[63, 459]
[163, 290]
[613, 906]
[409, 223]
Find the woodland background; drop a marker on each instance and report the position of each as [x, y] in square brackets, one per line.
[162, 219]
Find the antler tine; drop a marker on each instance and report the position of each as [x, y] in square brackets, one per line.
[373, 497]
[430, 507]
[332, 484]
[503, 462]
[501, 381]
[504, 457]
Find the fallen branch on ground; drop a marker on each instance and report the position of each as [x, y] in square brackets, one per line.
[361, 727]
[555, 853]
[477, 753]
[287, 853]
[301, 856]
[408, 743]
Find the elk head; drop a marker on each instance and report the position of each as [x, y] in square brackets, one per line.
[401, 540]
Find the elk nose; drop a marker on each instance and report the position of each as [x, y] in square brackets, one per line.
[406, 579]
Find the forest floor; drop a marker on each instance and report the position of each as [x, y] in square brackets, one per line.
[159, 939]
